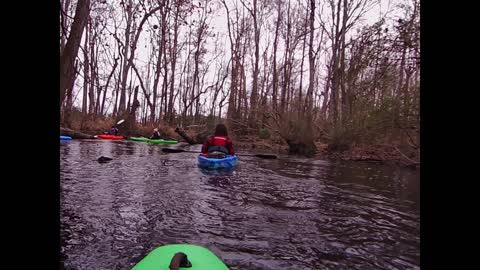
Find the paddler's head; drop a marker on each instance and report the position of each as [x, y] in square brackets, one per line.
[221, 130]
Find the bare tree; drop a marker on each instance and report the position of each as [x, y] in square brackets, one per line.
[131, 46]
[67, 59]
[275, 71]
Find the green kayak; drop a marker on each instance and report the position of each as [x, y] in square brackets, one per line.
[199, 257]
[159, 141]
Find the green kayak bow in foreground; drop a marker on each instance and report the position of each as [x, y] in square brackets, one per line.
[197, 258]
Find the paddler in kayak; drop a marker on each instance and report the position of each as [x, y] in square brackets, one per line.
[156, 134]
[112, 131]
[218, 145]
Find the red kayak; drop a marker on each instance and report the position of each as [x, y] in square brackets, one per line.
[110, 137]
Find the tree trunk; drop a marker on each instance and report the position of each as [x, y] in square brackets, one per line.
[323, 112]
[125, 68]
[285, 64]
[254, 95]
[185, 136]
[196, 59]
[86, 75]
[164, 13]
[97, 103]
[299, 108]
[91, 93]
[173, 56]
[65, 8]
[235, 63]
[67, 59]
[335, 66]
[135, 105]
[69, 103]
[345, 114]
[311, 62]
[275, 74]
[117, 89]
[106, 85]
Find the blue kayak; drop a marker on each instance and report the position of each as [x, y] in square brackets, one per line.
[65, 138]
[217, 163]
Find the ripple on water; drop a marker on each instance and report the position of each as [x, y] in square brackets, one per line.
[289, 213]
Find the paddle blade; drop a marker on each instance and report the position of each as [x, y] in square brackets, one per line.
[170, 150]
[121, 121]
[266, 156]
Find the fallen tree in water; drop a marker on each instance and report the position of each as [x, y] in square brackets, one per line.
[185, 136]
[199, 138]
[75, 134]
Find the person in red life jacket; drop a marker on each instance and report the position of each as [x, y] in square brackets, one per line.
[218, 145]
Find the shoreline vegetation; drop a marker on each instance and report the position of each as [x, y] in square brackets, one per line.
[398, 154]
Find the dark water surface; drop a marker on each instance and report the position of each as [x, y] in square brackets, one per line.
[288, 213]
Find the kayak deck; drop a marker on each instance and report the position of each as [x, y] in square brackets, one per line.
[200, 257]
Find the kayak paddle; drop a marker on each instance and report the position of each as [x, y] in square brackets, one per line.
[171, 150]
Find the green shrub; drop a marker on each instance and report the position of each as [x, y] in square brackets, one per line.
[264, 133]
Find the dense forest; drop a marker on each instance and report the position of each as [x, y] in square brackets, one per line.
[344, 73]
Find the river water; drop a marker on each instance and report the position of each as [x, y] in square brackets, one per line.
[287, 213]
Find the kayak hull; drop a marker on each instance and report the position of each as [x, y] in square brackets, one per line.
[110, 137]
[163, 141]
[200, 257]
[214, 163]
[139, 139]
[65, 138]
[157, 141]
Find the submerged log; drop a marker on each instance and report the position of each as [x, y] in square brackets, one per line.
[103, 159]
[75, 134]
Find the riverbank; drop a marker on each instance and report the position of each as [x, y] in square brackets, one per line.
[386, 154]
[393, 154]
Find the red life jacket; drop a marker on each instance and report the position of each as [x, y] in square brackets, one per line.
[217, 143]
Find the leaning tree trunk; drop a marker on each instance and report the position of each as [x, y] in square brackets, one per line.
[185, 136]
[67, 59]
